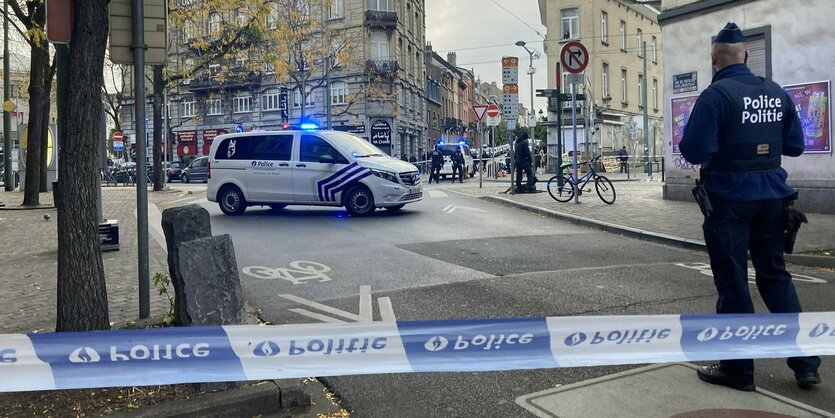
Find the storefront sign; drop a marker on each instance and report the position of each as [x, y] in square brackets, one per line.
[186, 136]
[184, 150]
[351, 129]
[381, 133]
[210, 134]
[680, 109]
[812, 103]
[683, 83]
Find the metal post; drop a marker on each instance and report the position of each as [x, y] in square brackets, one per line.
[328, 94]
[164, 137]
[478, 154]
[7, 117]
[532, 125]
[576, 174]
[647, 167]
[138, 48]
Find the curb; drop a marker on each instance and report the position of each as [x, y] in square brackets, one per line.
[4, 207]
[245, 401]
[810, 260]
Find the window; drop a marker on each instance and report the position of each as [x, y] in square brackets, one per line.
[233, 149]
[605, 81]
[379, 5]
[272, 17]
[242, 104]
[269, 68]
[411, 20]
[243, 19]
[271, 147]
[640, 44]
[335, 10]
[379, 45]
[189, 108]
[570, 24]
[214, 107]
[269, 100]
[214, 25]
[640, 90]
[623, 36]
[604, 28]
[297, 102]
[339, 93]
[312, 147]
[655, 94]
[241, 62]
[654, 50]
[623, 95]
[189, 32]
[411, 61]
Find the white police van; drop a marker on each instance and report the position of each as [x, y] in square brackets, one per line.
[448, 150]
[300, 167]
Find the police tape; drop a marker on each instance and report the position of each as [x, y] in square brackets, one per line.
[251, 352]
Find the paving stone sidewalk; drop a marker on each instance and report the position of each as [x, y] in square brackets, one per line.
[640, 205]
[29, 253]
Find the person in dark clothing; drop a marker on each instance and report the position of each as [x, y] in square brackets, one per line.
[623, 156]
[738, 130]
[412, 158]
[458, 165]
[523, 160]
[437, 164]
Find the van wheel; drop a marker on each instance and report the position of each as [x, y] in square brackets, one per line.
[394, 208]
[184, 178]
[277, 206]
[231, 201]
[359, 201]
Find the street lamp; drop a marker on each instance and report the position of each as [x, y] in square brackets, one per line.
[531, 71]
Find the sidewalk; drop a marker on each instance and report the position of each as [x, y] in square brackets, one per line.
[29, 253]
[640, 210]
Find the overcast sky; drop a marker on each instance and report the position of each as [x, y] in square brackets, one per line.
[481, 32]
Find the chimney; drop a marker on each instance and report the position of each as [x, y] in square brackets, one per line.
[428, 49]
[450, 58]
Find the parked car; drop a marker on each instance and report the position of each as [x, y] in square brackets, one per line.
[173, 170]
[198, 170]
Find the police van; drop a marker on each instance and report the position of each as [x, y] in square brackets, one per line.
[448, 150]
[300, 167]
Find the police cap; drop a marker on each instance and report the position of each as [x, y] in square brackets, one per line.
[730, 34]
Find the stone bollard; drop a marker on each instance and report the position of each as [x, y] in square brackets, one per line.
[182, 224]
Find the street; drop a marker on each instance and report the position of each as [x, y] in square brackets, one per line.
[455, 257]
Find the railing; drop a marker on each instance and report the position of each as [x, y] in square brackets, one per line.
[381, 18]
[382, 67]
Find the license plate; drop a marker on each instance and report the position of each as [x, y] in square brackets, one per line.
[413, 191]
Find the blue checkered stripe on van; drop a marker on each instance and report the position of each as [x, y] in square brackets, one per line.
[337, 182]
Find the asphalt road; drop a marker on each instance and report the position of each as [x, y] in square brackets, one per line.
[453, 257]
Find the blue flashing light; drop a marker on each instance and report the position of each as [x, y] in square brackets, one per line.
[462, 142]
[308, 126]
[441, 142]
[355, 154]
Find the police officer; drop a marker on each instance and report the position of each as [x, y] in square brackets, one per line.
[738, 130]
[437, 164]
[458, 165]
[523, 162]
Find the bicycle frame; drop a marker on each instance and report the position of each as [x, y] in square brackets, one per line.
[585, 178]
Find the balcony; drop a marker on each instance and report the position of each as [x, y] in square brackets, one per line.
[382, 68]
[380, 19]
[233, 81]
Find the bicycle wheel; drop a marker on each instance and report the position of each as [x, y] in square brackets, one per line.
[605, 189]
[561, 194]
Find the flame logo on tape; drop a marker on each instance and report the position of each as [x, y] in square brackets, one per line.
[84, 355]
[819, 330]
[575, 339]
[436, 343]
[266, 349]
[708, 334]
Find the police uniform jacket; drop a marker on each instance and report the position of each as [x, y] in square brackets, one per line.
[437, 158]
[737, 133]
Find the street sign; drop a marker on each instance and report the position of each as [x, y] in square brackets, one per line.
[155, 12]
[239, 128]
[510, 70]
[117, 136]
[60, 18]
[575, 78]
[479, 111]
[118, 146]
[494, 120]
[574, 57]
[492, 111]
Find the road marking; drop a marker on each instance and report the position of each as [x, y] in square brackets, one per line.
[337, 315]
[298, 273]
[704, 268]
[437, 193]
[453, 208]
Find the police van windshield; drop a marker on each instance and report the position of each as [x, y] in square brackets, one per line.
[448, 149]
[355, 145]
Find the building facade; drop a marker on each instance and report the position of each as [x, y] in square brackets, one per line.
[797, 56]
[614, 32]
[377, 93]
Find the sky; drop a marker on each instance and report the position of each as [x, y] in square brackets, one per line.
[481, 33]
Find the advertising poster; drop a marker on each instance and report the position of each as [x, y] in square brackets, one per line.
[680, 109]
[811, 100]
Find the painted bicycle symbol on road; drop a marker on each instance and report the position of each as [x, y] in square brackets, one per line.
[298, 272]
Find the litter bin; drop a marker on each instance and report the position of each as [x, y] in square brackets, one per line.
[55, 193]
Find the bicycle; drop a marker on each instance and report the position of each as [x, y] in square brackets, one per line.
[565, 192]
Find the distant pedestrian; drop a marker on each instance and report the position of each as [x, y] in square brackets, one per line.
[437, 164]
[523, 160]
[623, 156]
[412, 158]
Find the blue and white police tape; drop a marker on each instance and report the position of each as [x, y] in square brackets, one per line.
[236, 353]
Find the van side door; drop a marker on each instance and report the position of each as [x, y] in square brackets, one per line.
[269, 176]
[315, 181]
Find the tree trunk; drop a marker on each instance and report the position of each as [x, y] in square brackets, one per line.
[159, 89]
[49, 73]
[82, 295]
[39, 62]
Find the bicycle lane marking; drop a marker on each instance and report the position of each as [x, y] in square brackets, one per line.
[299, 272]
[704, 268]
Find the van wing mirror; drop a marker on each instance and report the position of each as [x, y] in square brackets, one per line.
[327, 159]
